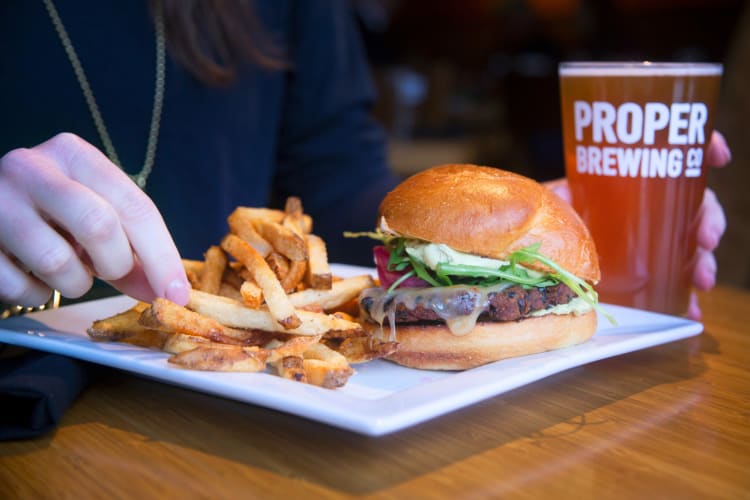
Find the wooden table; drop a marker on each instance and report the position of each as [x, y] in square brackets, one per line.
[667, 422]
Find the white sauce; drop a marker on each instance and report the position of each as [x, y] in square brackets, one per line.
[433, 254]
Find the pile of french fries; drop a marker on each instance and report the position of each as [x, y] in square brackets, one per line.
[263, 300]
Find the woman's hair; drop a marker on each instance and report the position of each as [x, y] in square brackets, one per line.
[212, 38]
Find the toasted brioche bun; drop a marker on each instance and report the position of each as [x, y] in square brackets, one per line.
[492, 213]
[434, 347]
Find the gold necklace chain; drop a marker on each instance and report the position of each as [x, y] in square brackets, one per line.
[153, 137]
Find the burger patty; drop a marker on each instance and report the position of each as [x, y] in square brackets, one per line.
[510, 304]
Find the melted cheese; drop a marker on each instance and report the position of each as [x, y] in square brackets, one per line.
[436, 299]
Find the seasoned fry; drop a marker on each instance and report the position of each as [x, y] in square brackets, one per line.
[319, 272]
[273, 215]
[276, 299]
[231, 277]
[194, 266]
[124, 327]
[341, 292]
[283, 239]
[291, 368]
[261, 213]
[225, 359]
[251, 294]
[293, 218]
[295, 346]
[278, 264]
[241, 224]
[167, 316]
[294, 276]
[179, 342]
[245, 274]
[234, 314]
[213, 270]
[325, 367]
[229, 291]
[362, 349]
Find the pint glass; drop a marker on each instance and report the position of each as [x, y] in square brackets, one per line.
[635, 138]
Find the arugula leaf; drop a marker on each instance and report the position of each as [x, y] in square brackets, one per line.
[531, 254]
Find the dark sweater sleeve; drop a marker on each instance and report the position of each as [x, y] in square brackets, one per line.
[331, 150]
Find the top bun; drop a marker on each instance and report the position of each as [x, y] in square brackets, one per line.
[492, 213]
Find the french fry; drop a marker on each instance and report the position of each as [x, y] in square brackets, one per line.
[294, 276]
[124, 327]
[261, 213]
[229, 291]
[193, 279]
[195, 266]
[179, 342]
[340, 293]
[245, 274]
[224, 358]
[293, 216]
[283, 239]
[232, 277]
[362, 349]
[251, 295]
[167, 316]
[193, 270]
[291, 368]
[325, 367]
[213, 270]
[232, 313]
[278, 264]
[295, 346]
[273, 215]
[318, 272]
[241, 224]
[276, 299]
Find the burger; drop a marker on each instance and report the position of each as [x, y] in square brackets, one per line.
[477, 264]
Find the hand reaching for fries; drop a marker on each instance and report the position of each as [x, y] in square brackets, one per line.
[67, 214]
[265, 297]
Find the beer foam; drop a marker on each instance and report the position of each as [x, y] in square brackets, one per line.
[639, 69]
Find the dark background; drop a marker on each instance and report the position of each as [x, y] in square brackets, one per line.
[476, 81]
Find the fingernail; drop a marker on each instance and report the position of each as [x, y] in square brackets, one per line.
[178, 291]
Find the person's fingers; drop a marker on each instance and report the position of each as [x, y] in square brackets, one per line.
[45, 252]
[38, 247]
[20, 288]
[139, 217]
[713, 221]
[704, 273]
[88, 219]
[694, 310]
[136, 284]
[718, 153]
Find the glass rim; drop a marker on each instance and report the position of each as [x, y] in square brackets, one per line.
[635, 68]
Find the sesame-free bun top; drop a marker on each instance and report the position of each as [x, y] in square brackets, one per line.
[489, 212]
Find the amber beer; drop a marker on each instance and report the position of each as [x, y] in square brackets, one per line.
[635, 139]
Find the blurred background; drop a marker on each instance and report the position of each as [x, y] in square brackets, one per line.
[476, 81]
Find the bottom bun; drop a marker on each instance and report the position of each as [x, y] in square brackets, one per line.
[434, 347]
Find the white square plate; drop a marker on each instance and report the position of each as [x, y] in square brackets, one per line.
[380, 398]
